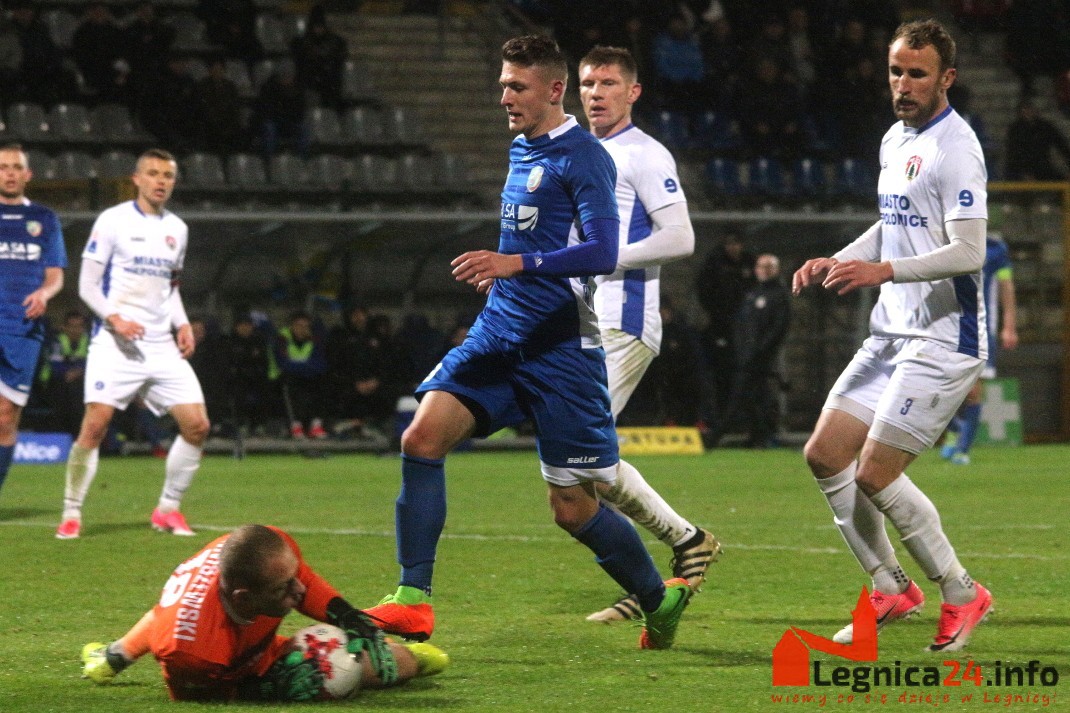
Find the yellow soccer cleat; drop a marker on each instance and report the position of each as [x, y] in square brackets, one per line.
[430, 660]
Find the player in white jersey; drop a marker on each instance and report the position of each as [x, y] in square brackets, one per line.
[927, 343]
[654, 229]
[129, 278]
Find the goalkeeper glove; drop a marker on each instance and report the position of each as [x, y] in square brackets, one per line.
[292, 678]
[364, 636]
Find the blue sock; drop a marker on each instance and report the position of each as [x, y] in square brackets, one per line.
[619, 551]
[971, 419]
[6, 454]
[419, 515]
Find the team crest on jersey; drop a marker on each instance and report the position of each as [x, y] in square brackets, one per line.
[534, 178]
[34, 228]
[171, 242]
[913, 167]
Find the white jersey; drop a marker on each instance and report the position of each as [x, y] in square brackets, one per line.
[143, 255]
[630, 300]
[930, 176]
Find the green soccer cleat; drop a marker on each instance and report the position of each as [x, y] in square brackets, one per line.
[659, 631]
[96, 667]
[430, 660]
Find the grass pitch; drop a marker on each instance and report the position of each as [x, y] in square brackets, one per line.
[511, 590]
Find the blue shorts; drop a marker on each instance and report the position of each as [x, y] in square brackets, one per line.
[561, 388]
[18, 363]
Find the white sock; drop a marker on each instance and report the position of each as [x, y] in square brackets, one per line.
[860, 522]
[182, 462]
[918, 523]
[81, 469]
[634, 497]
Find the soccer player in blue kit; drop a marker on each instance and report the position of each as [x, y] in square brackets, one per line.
[534, 352]
[32, 258]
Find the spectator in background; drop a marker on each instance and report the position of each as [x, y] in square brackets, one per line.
[63, 375]
[98, 48]
[1038, 40]
[679, 68]
[960, 97]
[1031, 142]
[319, 56]
[770, 112]
[301, 356]
[725, 276]
[723, 59]
[231, 24]
[862, 109]
[760, 327]
[422, 343]
[43, 78]
[146, 44]
[772, 43]
[801, 45]
[249, 363]
[280, 114]
[167, 109]
[849, 48]
[678, 369]
[219, 105]
[211, 364]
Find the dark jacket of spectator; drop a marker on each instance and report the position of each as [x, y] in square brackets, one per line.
[319, 55]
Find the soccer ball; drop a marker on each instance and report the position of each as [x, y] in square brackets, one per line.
[341, 670]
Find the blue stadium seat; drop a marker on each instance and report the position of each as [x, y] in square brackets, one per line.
[715, 131]
[853, 178]
[808, 177]
[724, 176]
[766, 177]
[671, 128]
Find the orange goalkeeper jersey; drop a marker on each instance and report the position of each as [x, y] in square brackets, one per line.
[204, 652]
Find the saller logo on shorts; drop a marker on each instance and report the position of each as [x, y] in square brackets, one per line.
[581, 460]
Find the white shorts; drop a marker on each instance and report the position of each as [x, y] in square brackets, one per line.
[906, 390]
[627, 359]
[155, 371]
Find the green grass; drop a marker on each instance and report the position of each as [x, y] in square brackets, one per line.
[512, 590]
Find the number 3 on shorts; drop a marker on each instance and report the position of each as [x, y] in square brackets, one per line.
[906, 406]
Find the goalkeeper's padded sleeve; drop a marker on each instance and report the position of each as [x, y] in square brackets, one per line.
[597, 255]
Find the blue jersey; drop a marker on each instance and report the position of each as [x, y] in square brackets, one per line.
[557, 181]
[30, 240]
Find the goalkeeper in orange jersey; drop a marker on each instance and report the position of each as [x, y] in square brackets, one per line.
[214, 630]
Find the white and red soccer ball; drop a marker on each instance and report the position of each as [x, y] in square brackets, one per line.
[341, 669]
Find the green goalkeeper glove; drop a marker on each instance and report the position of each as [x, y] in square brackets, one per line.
[292, 678]
[364, 636]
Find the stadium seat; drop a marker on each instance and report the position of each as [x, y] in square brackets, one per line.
[272, 33]
[27, 122]
[42, 165]
[116, 164]
[808, 177]
[113, 123]
[357, 85]
[401, 126]
[288, 170]
[415, 171]
[329, 171]
[75, 166]
[238, 73]
[715, 131]
[363, 125]
[190, 32]
[671, 129]
[766, 177]
[70, 123]
[246, 170]
[325, 126]
[61, 26]
[724, 176]
[262, 71]
[853, 178]
[375, 173]
[452, 171]
[203, 171]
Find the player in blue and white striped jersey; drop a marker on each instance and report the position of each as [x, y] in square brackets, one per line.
[655, 229]
[928, 340]
[32, 258]
[534, 352]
